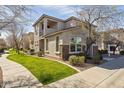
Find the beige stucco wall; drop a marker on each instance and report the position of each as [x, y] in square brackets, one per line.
[64, 39]
[71, 23]
[52, 45]
[36, 42]
[73, 33]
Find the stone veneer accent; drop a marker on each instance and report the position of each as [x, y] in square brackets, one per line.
[64, 52]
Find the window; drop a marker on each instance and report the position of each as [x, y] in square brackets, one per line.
[57, 43]
[46, 44]
[72, 24]
[75, 44]
[112, 48]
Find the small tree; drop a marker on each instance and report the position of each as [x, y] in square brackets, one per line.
[14, 20]
[101, 16]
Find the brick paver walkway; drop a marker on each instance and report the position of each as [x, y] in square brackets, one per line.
[15, 75]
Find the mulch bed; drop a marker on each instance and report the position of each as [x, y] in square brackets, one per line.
[1, 77]
[83, 67]
[87, 65]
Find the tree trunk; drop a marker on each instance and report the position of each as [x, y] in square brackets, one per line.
[16, 44]
[116, 48]
[89, 41]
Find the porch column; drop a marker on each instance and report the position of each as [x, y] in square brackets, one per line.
[44, 45]
[45, 26]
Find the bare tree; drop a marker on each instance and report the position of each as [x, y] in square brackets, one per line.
[25, 42]
[13, 20]
[13, 14]
[102, 17]
[16, 35]
[10, 42]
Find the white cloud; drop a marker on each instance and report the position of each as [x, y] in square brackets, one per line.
[61, 9]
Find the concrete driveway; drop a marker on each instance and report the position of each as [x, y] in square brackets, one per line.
[110, 74]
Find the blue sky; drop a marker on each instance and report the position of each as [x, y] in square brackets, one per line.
[59, 11]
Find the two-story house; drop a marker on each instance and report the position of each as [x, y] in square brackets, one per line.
[60, 38]
[28, 41]
[112, 40]
[2, 43]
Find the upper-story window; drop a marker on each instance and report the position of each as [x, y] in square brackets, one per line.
[72, 24]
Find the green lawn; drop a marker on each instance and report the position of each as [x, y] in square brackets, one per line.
[46, 71]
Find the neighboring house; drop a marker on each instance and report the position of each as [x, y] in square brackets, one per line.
[2, 43]
[112, 39]
[28, 41]
[60, 38]
[31, 40]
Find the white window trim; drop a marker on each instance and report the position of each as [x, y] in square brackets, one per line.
[76, 52]
[109, 45]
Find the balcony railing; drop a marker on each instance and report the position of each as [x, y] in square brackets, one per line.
[50, 30]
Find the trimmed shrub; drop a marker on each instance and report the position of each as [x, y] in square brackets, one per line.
[88, 57]
[25, 50]
[103, 51]
[40, 53]
[1, 50]
[31, 51]
[21, 49]
[121, 52]
[77, 60]
[72, 59]
[81, 60]
[97, 58]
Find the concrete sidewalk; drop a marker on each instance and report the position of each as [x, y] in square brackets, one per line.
[110, 74]
[15, 75]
